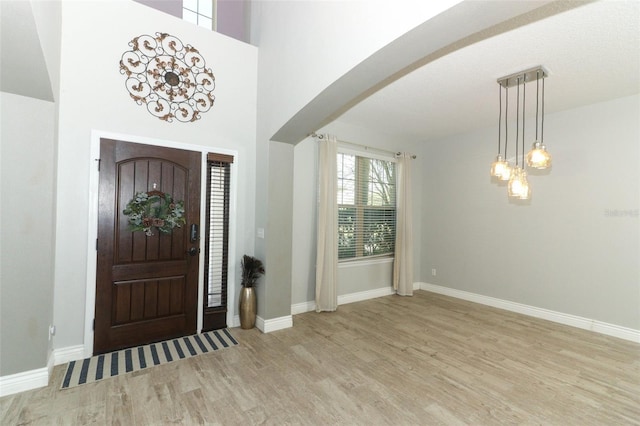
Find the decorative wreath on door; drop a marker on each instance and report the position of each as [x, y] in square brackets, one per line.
[154, 209]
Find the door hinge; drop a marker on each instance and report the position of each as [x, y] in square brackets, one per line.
[94, 324]
[99, 161]
[96, 244]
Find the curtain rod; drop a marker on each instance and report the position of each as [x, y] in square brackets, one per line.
[315, 135]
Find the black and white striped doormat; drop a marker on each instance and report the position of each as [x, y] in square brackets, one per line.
[133, 359]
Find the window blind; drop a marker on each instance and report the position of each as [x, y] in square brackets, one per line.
[366, 206]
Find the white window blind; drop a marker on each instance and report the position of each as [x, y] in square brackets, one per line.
[366, 206]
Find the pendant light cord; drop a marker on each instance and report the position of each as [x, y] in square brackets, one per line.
[524, 104]
[499, 116]
[537, 99]
[506, 121]
[542, 128]
[517, 119]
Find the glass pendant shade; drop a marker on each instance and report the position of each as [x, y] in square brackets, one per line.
[513, 187]
[498, 167]
[538, 157]
[525, 191]
[506, 172]
[518, 186]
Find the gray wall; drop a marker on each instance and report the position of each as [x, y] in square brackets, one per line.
[574, 248]
[277, 294]
[28, 149]
[353, 277]
[292, 38]
[172, 7]
[233, 18]
[304, 221]
[27, 176]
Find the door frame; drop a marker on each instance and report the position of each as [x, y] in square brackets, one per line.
[94, 180]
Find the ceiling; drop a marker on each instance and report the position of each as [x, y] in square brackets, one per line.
[22, 77]
[592, 53]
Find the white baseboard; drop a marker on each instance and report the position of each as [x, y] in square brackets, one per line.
[267, 326]
[301, 308]
[33, 379]
[70, 353]
[365, 295]
[21, 382]
[236, 321]
[546, 314]
[50, 364]
[274, 324]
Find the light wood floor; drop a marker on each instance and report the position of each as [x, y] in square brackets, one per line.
[395, 360]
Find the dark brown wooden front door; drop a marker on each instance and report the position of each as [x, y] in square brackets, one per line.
[147, 285]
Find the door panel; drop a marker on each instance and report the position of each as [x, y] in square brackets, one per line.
[147, 286]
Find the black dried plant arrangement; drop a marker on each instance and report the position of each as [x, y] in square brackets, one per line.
[252, 269]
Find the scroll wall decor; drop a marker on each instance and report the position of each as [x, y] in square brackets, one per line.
[169, 77]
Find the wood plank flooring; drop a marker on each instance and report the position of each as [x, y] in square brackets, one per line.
[427, 359]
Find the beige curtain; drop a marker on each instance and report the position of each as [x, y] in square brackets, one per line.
[403, 262]
[327, 253]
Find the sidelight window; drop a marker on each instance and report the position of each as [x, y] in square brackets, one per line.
[217, 240]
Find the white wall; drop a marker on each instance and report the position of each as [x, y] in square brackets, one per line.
[307, 45]
[566, 250]
[47, 16]
[94, 98]
[27, 177]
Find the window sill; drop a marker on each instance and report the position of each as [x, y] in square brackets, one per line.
[351, 263]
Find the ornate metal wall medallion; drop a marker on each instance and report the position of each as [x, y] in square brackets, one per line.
[169, 77]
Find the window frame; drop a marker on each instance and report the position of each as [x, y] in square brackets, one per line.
[199, 15]
[360, 258]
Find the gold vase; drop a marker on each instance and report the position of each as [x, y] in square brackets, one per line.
[248, 308]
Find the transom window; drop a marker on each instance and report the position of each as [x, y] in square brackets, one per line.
[199, 12]
[366, 206]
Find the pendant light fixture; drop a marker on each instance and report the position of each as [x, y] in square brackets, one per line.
[539, 157]
[500, 168]
[518, 185]
[507, 169]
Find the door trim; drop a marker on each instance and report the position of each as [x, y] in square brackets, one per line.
[94, 180]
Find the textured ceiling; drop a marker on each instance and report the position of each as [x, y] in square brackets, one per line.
[592, 53]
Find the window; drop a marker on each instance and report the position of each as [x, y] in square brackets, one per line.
[366, 206]
[199, 12]
[217, 241]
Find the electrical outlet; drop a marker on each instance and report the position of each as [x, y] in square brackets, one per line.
[52, 331]
[433, 272]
